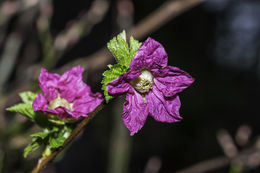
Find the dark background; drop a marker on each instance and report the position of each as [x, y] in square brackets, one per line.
[217, 42]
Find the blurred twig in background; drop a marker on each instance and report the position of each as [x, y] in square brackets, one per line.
[146, 26]
[239, 161]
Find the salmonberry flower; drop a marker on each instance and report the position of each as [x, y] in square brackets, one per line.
[67, 95]
[151, 87]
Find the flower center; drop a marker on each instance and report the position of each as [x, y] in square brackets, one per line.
[144, 82]
[60, 102]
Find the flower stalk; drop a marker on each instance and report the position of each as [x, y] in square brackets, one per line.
[43, 161]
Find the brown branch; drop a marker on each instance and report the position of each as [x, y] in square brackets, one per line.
[80, 27]
[169, 10]
[149, 24]
[42, 162]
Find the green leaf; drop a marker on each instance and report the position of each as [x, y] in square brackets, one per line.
[58, 138]
[55, 119]
[31, 147]
[25, 109]
[56, 142]
[41, 135]
[134, 46]
[28, 96]
[44, 133]
[123, 55]
[110, 75]
[47, 151]
[120, 49]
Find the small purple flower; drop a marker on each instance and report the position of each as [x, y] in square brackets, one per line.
[151, 87]
[67, 95]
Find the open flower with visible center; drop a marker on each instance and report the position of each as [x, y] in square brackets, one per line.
[151, 87]
[67, 95]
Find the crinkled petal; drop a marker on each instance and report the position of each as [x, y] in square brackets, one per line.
[135, 112]
[71, 84]
[173, 104]
[163, 110]
[86, 105]
[41, 104]
[64, 113]
[48, 83]
[69, 87]
[171, 80]
[121, 85]
[151, 55]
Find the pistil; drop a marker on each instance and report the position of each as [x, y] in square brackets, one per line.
[60, 102]
[144, 82]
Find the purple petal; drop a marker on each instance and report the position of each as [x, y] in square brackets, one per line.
[163, 110]
[121, 85]
[71, 85]
[135, 112]
[173, 104]
[71, 88]
[48, 83]
[150, 55]
[171, 80]
[64, 113]
[87, 104]
[41, 104]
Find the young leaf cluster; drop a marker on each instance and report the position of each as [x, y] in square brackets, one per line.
[50, 139]
[54, 133]
[123, 54]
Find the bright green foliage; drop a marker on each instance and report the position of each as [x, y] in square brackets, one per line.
[41, 135]
[31, 147]
[57, 142]
[110, 75]
[51, 139]
[123, 55]
[134, 46]
[57, 139]
[54, 133]
[28, 96]
[25, 108]
[44, 133]
[119, 48]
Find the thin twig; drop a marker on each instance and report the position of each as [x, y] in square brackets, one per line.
[207, 165]
[249, 157]
[42, 162]
[81, 27]
[149, 24]
[167, 11]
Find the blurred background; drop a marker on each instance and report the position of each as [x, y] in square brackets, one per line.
[216, 41]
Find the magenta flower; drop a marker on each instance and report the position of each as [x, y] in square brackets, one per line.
[67, 95]
[151, 87]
